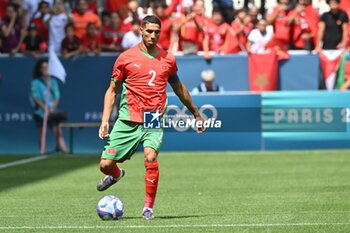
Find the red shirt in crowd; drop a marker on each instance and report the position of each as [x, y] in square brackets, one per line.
[189, 31]
[345, 6]
[242, 37]
[111, 36]
[71, 45]
[91, 44]
[165, 33]
[42, 29]
[217, 35]
[3, 5]
[282, 31]
[305, 22]
[119, 6]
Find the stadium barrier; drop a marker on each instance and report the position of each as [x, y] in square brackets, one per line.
[243, 128]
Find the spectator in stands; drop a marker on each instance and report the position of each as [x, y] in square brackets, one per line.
[41, 79]
[112, 35]
[39, 18]
[241, 27]
[202, 21]
[259, 37]
[226, 8]
[12, 30]
[92, 40]
[71, 44]
[56, 23]
[133, 7]
[148, 5]
[187, 30]
[133, 37]
[278, 17]
[33, 44]
[176, 7]
[333, 28]
[167, 26]
[105, 18]
[215, 34]
[207, 84]
[254, 15]
[30, 8]
[303, 20]
[345, 6]
[82, 18]
[118, 6]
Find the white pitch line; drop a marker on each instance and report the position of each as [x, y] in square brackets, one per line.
[22, 161]
[177, 226]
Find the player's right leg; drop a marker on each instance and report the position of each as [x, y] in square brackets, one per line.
[112, 171]
[121, 145]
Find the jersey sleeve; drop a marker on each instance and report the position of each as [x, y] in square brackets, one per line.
[118, 73]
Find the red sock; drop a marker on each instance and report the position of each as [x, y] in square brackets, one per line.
[151, 181]
[114, 171]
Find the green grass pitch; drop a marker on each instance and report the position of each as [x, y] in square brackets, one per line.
[301, 191]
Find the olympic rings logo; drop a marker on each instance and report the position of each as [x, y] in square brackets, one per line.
[176, 114]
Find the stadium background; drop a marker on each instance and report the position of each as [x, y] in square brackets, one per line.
[88, 77]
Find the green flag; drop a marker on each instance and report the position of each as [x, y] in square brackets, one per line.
[341, 72]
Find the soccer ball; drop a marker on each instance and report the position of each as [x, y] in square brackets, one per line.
[110, 208]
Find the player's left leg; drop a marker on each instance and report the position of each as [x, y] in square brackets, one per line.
[152, 141]
[151, 181]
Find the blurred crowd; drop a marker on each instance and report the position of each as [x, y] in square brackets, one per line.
[73, 27]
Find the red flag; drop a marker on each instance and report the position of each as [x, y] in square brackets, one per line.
[347, 70]
[279, 47]
[263, 71]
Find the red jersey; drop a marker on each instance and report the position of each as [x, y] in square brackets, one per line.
[144, 81]
[189, 31]
[305, 22]
[119, 6]
[111, 36]
[282, 31]
[242, 37]
[217, 34]
[42, 29]
[91, 43]
[165, 33]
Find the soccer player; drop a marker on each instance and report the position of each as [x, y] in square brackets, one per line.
[144, 72]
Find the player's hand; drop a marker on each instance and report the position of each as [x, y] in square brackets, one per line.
[200, 129]
[103, 132]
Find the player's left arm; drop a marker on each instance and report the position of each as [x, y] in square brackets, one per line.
[182, 92]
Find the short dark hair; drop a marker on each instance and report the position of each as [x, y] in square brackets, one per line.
[135, 21]
[37, 73]
[68, 25]
[151, 19]
[328, 1]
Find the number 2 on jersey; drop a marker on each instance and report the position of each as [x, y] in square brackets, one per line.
[153, 73]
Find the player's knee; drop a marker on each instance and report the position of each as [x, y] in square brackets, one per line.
[106, 165]
[150, 154]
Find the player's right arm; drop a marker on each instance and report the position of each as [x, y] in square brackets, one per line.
[108, 105]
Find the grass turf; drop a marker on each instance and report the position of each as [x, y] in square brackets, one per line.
[305, 191]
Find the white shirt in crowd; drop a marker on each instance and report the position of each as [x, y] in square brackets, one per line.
[259, 40]
[130, 40]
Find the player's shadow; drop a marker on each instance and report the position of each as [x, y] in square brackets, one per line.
[36, 171]
[168, 217]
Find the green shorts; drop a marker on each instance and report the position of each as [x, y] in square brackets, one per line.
[126, 136]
